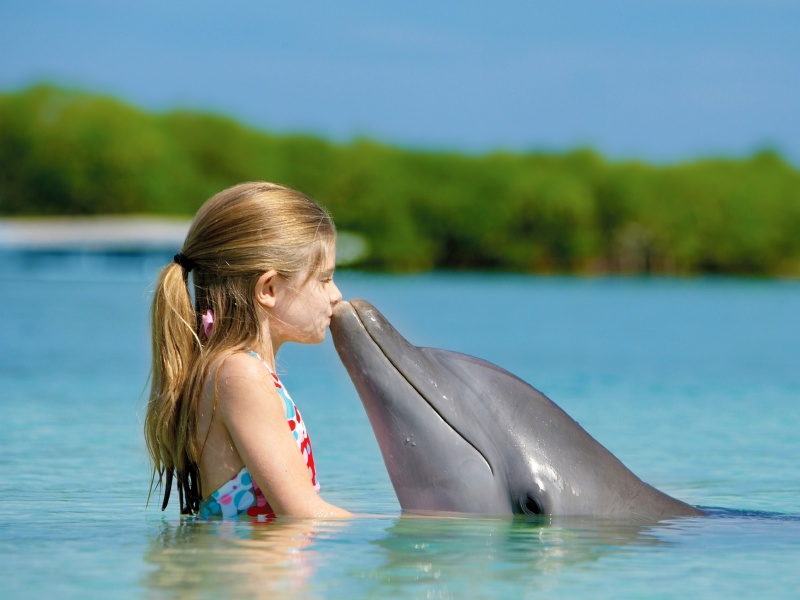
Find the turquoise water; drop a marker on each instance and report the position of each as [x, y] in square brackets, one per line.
[694, 384]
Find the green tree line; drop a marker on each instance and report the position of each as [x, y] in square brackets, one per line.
[65, 152]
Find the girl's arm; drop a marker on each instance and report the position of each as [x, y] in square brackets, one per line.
[254, 414]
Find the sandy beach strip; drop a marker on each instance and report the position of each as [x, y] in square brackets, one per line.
[98, 234]
[125, 234]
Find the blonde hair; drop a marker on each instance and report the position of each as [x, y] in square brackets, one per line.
[236, 236]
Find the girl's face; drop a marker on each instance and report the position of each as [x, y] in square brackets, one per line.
[304, 305]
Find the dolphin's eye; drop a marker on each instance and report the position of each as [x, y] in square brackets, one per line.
[530, 505]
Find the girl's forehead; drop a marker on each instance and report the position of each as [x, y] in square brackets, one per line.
[322, 258]
[329, 263]
[328, 252]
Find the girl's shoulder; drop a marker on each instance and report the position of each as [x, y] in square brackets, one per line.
[246, 398]
[240, 377]
[240, 362]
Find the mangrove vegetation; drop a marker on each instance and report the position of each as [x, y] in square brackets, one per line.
[66, 152]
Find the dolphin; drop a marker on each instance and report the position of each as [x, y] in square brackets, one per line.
[461, 435]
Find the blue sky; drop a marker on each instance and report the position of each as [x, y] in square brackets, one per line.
[658, 80]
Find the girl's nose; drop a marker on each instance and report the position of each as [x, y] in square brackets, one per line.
[336, 295]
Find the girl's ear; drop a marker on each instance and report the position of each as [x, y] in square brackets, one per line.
[267, 289]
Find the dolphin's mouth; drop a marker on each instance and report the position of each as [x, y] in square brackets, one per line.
[390, 342]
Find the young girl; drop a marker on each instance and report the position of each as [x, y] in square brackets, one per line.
[218, 420]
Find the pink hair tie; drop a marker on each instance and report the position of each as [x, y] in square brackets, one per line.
[208, 322]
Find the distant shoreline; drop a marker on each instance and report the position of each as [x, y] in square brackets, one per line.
[115, 233]
[409, 211]
[101, 233]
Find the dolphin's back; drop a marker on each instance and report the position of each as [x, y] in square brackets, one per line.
[545, 452]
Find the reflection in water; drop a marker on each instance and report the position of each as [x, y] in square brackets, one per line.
[445, 558]
[233, 558]
[437, 557]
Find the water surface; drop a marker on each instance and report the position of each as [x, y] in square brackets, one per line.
[694, 384]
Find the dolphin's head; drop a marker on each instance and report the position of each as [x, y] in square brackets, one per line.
[457, 434]
[461, 435]
[409, 398]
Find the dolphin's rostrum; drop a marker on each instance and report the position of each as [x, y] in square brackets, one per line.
[461, 435]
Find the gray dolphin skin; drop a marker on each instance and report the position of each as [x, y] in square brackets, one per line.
[461, 435]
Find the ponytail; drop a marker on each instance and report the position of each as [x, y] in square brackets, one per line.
[169, 426]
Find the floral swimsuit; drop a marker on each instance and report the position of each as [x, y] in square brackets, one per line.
[241, 495]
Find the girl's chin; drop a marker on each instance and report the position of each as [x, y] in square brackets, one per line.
[312, 339]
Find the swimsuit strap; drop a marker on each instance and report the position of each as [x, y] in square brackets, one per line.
[294, 420]
[255, 354]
